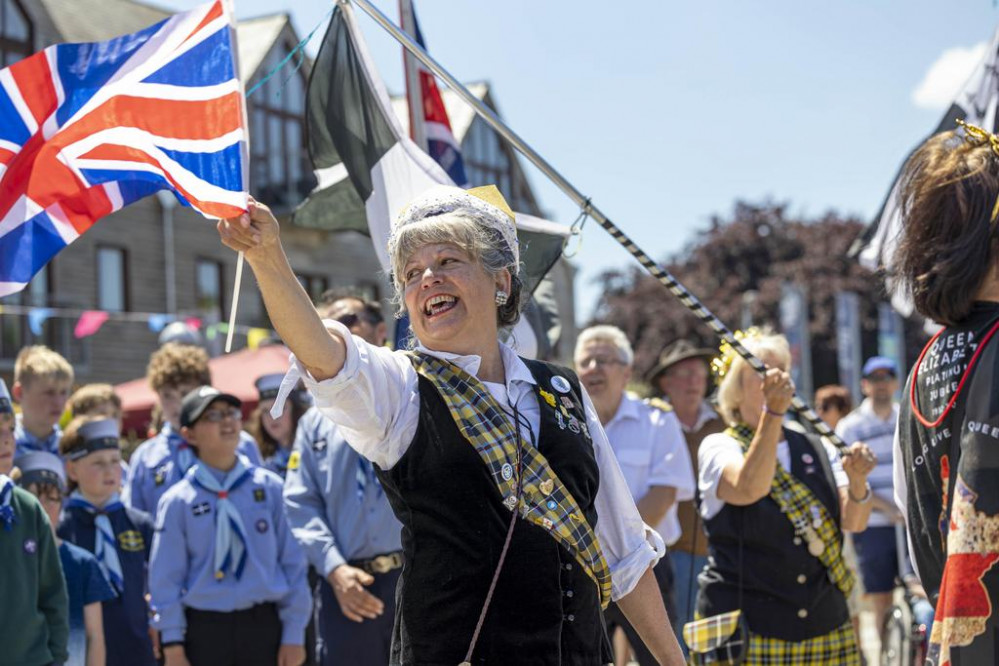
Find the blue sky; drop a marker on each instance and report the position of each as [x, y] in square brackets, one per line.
[666, 113]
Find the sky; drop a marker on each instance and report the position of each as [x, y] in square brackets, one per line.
[667, 113]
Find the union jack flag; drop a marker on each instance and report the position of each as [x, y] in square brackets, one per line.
[86, 129]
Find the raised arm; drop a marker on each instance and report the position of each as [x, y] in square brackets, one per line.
[256, 234]
[747, 481]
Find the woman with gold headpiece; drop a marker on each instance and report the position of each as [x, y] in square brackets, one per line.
[947, 441]
[518, 526]
[774, 501]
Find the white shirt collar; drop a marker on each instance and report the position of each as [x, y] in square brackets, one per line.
[628, 409]
[514, 367]
[704, 414]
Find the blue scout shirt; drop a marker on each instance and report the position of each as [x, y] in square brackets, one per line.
[154, 468]
[28, 443]
[182, 569]
[278, 463]
[86, 585]
[335, 518]
[126, 618]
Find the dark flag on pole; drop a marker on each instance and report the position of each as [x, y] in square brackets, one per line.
[976, 104]
[367, 168]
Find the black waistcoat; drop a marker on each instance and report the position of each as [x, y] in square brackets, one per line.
[545, 610]
[786, 592]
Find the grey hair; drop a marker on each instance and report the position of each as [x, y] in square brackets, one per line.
[485, 245]
[730, 389]
[609, 334]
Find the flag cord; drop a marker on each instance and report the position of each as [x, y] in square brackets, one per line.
[664, 277]
[299, 48]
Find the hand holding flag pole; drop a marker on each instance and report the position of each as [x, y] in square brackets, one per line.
[588, 208]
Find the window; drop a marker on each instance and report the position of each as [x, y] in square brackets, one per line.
[314, 285]
[281, 173]
[489, 161]
[112, 294]
[15, 33]
[209, 287]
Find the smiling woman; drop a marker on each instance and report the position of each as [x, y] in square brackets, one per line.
[497, 466]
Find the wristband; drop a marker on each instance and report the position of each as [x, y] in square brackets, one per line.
[767, 410]
[863, 500]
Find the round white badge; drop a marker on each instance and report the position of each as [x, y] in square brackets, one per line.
[507, 471]
[560, 384]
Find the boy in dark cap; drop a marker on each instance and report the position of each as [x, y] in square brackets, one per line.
[227, 579]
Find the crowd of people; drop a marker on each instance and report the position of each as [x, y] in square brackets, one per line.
[455, 503]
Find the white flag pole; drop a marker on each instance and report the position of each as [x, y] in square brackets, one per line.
[230, 8]
[661, 274]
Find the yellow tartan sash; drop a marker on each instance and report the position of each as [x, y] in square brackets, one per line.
[800, 505]
[545, 501]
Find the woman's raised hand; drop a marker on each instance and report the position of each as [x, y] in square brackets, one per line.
[253, 232]
[778, 390]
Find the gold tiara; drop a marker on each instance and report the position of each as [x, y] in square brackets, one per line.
[976, 135]
[721, 364]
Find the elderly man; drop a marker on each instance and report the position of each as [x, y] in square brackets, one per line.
[649, 446]
[682, 378]
[873, 423]
[339, 513]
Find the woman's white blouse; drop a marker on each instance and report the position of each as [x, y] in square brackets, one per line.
[719, 450]
[375, 402]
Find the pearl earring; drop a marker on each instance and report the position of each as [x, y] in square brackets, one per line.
[501, 297]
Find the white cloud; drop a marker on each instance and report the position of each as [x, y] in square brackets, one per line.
[944, 78]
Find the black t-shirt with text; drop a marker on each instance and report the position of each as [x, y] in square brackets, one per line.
[951, 471]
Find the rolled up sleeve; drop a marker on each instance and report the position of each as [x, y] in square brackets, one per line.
[630, 547]
[373, 400]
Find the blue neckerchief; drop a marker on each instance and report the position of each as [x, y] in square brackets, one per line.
[105, 542]
[366, 474]
[181, 450]
[279, 461]
[7, 515]
[230, 534]
[26, 440]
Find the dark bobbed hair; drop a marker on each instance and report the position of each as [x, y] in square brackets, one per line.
[948, 241]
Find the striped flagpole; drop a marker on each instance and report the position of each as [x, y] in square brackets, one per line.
[657, 271]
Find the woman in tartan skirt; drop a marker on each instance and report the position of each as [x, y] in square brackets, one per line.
[774, 502]
[496, 466]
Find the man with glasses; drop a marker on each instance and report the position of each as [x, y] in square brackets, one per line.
[649, 446]
[683, 378]
[873, 423]
[341, 517]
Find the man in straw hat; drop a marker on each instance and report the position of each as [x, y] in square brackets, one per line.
[682, 377]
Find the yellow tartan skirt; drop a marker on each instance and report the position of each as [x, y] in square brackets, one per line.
[837, 648]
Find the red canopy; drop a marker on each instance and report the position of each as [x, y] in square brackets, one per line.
[231, 373]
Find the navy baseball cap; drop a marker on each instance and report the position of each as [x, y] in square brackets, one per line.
[876, 363]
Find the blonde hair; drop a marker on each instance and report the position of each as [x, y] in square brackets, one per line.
[40, 362]
[730, 389]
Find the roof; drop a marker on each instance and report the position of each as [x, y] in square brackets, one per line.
[460, 113]
[98, 20]
[255, 38]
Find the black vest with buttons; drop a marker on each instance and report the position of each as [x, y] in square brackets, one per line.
[545, 610]
[786, 591]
